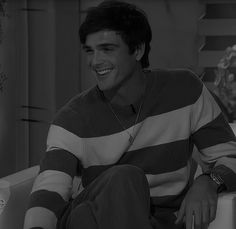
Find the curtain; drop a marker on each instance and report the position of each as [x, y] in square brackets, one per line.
[40, 57]
[27, 104]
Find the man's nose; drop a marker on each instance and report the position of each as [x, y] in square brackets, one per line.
[97, 58]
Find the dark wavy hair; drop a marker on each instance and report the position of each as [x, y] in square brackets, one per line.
[127, 19]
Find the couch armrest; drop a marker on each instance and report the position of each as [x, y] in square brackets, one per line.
[225, 214]
[20, 187]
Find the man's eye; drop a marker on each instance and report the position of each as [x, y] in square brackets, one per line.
[89, 51]
[108, 49]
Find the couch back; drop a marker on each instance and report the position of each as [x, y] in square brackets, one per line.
[20, 186]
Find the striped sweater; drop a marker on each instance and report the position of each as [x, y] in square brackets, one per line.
[85, 139]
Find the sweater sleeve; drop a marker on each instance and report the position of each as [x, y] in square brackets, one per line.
[214, 138]
[52, 188]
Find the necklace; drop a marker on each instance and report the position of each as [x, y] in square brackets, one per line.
[131, 137]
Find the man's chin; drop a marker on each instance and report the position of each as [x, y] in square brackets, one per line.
[106, 88]
[109, 90]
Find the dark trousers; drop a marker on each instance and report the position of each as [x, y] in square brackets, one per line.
[117, 199]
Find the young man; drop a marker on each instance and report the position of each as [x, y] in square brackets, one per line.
[130, 138]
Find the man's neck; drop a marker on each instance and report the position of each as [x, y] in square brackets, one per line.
[130, 91]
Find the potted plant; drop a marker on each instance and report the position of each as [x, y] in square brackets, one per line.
[225, 80]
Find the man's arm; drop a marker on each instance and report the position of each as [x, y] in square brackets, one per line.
[214, 139]
[217, 145]
[51, 190]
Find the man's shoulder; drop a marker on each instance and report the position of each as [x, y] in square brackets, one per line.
[177, 86]
[177, 79]
[78, 105]
[74, 115]
[81, 100]
[181, 75]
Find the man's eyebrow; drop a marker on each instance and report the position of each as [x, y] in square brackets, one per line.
[108, 45]
[101, 45]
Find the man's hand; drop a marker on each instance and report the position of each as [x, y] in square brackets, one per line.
[200, 202]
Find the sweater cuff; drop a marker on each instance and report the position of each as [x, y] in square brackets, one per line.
[227, 175]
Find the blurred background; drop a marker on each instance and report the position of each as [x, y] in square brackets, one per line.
[42, 65]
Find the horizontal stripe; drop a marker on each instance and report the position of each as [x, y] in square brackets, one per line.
[59, 160]
[60, 138]
[78, 116]
[48, 200]
[216, 152]
[204, 110]
[169, 177]
[229, 162]
[169, 202]
[163, 128]
[91, 151]
[177, 88]
[54, 181]
[104, 150]
[153, 131]
[168, 189]
[180, 176]
[215, 132]
[153, 160]
[172, 183]
[40, 217]
[57, 135]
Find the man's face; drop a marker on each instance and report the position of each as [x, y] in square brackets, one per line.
[109, 58]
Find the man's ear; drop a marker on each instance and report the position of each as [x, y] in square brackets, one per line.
[139, 52]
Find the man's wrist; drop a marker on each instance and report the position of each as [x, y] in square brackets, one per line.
[216, 181]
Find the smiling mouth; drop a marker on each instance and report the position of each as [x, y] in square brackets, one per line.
[103, 72]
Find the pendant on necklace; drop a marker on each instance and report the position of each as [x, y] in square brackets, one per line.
[131, 139]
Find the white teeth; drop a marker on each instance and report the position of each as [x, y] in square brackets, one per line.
[104, 71]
